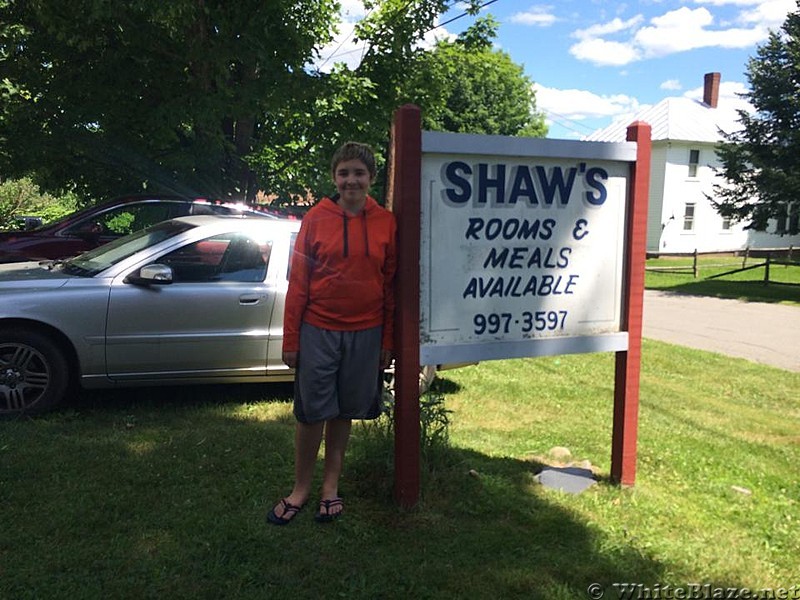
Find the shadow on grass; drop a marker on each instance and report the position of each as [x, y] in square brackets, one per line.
[444, 385]
[158, 493]
[177, 396]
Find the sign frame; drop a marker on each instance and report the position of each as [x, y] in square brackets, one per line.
[405, 192]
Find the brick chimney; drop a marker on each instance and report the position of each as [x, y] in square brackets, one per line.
[711, 89]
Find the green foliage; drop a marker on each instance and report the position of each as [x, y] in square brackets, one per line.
[220, 99]
[121, 224]
[22, 197]
[465, 86]
[164, 96]
[760, 161]
[434, 419]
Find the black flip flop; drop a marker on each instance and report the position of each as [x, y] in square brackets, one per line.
[289, 510]
[327, 516]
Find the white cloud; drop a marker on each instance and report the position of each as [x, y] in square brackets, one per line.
[769, 14]
[619, 42]
[605, 53]
[614, 26]
[578, 105]
[671, 84]
[687, 29]
[540, 16]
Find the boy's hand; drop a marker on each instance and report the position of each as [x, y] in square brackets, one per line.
[386, 359]
[290, 358]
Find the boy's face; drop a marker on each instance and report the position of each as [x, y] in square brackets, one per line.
[352, 180]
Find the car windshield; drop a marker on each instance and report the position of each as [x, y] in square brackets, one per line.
[93, 262]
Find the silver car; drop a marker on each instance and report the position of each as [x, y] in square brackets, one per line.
[192, 300]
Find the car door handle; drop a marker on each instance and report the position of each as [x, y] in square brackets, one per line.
[247, 299]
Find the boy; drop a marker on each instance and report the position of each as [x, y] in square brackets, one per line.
[338, 325]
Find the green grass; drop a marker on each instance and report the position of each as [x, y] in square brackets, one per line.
[163, 493]
[783, 287]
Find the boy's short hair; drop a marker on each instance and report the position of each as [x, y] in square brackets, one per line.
[355, 151]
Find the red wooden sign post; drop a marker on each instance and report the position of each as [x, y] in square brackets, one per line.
[628, 363]
[404, 193]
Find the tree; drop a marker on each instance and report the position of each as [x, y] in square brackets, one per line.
[355, 103]
[466, 86]
[169, 96]
[203, 97]
[760, 161]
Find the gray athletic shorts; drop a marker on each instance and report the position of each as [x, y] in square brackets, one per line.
[338, 375]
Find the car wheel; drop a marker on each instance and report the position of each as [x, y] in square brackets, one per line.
[33, 372]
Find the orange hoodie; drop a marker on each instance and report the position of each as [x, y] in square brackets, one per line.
[342, 272]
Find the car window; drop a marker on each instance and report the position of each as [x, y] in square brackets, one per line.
[129, 218]
[226, 257]
[97, 260]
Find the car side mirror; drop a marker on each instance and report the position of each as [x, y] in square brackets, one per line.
[30, 223]
[154, 274]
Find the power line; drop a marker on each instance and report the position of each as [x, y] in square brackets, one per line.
[335, 55]
[464, 14]
[342, 43]
[554, 115]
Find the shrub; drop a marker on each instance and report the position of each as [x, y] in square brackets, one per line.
[22, 197]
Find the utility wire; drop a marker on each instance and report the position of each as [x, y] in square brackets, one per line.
[557, 116]
[463, 14]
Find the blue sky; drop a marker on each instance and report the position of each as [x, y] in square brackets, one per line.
[593, 61]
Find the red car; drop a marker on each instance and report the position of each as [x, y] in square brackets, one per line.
[100, 224]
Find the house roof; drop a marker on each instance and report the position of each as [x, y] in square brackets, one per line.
[674, 119]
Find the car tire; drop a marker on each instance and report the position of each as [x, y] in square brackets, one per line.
[34, 373]
[427, 373]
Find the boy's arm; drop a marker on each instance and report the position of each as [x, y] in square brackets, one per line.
[297, 295]
[389, 270]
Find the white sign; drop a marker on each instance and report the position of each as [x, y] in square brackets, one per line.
[522, 246]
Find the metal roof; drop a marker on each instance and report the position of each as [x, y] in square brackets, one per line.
[674, 119]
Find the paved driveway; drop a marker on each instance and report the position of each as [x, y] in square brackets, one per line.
[758, 331]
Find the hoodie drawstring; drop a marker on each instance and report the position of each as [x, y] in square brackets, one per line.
[344, 235]
[366, 236]
[345, 230]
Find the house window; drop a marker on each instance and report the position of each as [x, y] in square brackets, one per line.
[694, 160]
[726, 224]
[688, 217]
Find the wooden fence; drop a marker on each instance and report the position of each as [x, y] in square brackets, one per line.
[765, 256]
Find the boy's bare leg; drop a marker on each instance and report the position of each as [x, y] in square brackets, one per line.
[337, 435]
[307, 439]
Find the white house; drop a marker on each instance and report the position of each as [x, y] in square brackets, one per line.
[680, 218]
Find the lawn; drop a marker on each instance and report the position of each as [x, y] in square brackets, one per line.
[163, 493]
